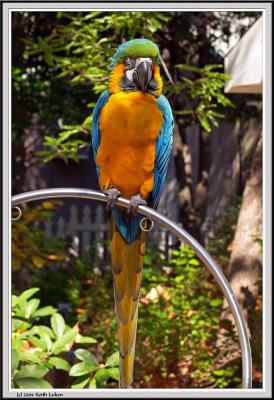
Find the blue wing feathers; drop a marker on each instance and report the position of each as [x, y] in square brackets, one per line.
[95, 132]
[129, 225]
[163, 151]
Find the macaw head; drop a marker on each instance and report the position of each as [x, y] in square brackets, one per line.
[135, 67]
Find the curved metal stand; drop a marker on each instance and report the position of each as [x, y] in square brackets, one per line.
[183, 236]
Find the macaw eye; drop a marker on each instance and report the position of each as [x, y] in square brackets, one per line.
[129, 62]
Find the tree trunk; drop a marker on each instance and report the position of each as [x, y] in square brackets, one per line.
[245, 262]
[245, 266]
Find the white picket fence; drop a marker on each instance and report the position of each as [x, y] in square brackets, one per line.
[88, 229]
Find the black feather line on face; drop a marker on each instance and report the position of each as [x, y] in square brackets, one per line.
[129, 86]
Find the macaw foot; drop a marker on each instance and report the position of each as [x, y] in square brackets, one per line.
[112, 195]
[135, 201]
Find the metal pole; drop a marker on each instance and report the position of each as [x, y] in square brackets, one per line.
[183, 236]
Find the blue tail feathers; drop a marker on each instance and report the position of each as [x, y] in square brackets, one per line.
[128, 225]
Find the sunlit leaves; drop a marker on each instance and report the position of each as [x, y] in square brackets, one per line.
[14, 361]
[182, 320]
[58, 324]
[90, 373]
[113, 360]
[31, 248]
[59, 363]
[207, 89]
[30, 377]
[79, 51]
[35, 348]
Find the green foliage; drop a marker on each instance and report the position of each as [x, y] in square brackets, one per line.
[177, 328]
[83, 44]
[37, 348]
[177, 325]
[220, 244]
[220, 247]
[79, 51]
[207, 89]
[179, 320]
[65, 145]
[31, 248]
[100, 373]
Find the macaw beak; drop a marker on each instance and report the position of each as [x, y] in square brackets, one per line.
[142, 73]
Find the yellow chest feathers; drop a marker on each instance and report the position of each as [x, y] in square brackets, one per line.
[129, 125]
[130, 119]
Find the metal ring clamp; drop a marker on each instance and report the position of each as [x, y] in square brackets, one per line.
[143, 226]
[19, 213]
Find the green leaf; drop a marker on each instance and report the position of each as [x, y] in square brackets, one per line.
[80, 382]
[31, 307]
[58, 324]
[92, 384]
[82, 368]
[193, 261]
[34, 371]
[14, 361]
[27, 294]
[218, 75]
[86, 356]
[44, 311]
[59, 363]
[209, 67]
[188, 67]
[114, 373]
[31, 357]
[14, 300]
[219, 372]
[87, 121]
[33, 383]
[102, 376]
[113, 360]
[60, 343]
[38, 342]
[44, 336]
[43, 329]
[85, 339]
[204, 122]
[184, 112]
[216, 302]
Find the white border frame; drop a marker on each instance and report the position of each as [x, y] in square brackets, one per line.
[265, 8]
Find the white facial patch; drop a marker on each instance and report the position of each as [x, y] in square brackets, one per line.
[129, 74]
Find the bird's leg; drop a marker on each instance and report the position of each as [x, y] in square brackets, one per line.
[135, 201]
[112, 194]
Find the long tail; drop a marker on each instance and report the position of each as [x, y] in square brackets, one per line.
[127, 267]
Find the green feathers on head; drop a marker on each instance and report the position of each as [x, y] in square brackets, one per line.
[135, 48]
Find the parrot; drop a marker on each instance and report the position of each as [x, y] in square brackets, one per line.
[132, 136]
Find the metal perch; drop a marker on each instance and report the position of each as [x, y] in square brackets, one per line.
[181, 234]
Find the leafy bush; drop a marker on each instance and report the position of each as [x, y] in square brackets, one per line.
[207, 90]
[37, 348]
[31, 249]
[178, 319]
[220, 244]
[101, 373]
[177, 329]
[78, 52]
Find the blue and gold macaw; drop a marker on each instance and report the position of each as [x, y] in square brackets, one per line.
[132, 135]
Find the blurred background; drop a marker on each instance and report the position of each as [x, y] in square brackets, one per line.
[211, 63]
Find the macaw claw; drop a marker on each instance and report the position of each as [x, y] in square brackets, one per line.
[112, 195]
[135, 201]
